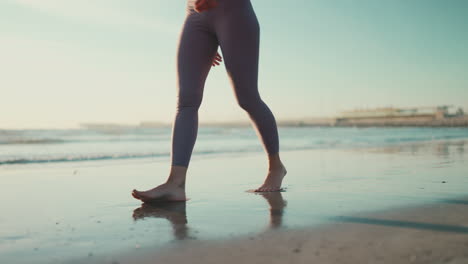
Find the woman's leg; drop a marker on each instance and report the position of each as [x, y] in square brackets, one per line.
[238, 34]
[196, 51]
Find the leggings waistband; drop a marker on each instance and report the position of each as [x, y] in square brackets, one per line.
[191, 3]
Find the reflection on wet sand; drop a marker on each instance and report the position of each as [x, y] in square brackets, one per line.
[445, 152]
[443, 149]
[175, 212]
[277, 204]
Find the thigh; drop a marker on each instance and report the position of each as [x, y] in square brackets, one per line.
[196, 51]
[239, 37]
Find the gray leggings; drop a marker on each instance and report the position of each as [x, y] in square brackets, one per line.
[232, 25]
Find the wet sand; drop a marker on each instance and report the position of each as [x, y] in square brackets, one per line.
[398, 204]
[428, 234]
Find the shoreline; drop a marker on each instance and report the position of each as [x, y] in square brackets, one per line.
[202, 156]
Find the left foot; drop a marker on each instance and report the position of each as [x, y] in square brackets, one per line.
[167, 192]
[273, 180]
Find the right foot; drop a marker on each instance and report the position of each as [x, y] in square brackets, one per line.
[273, 181]
[167, 192]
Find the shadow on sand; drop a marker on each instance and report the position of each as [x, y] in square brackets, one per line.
[402, 224]
[454, 201]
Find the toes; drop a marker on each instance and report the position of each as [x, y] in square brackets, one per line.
[136, 195]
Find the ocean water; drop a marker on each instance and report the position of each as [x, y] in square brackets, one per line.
[22, 147]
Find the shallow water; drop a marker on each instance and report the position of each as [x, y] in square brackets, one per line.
[55, 214]
[23, 147]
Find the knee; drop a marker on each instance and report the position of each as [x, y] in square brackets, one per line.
[189, 101]
[249, 103]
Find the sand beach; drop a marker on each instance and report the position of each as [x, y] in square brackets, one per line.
[403, 203]
[428, 234]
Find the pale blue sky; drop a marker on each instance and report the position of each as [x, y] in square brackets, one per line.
[63, 62]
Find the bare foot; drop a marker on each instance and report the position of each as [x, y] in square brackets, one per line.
[273, 180]
[169, 192]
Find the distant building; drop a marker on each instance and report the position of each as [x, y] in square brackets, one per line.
[390, 116]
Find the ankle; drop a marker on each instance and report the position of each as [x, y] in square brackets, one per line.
[177, 176]
[174, 183]
[177, 180]
[274, 162]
